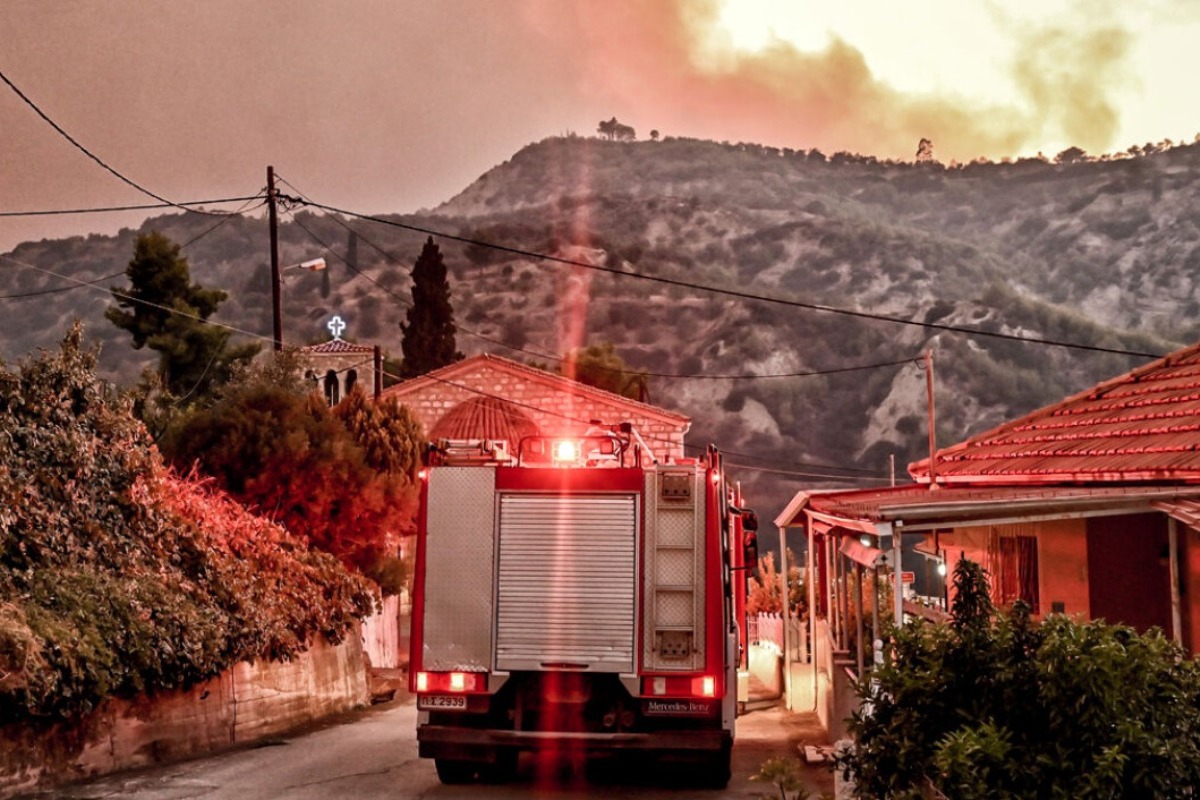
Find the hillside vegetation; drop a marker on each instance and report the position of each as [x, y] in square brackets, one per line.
[1101, 253]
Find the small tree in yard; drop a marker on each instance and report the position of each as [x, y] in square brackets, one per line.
[601, 366]
[343, 479]
[163, 310]
[995, 705]
[763, 596]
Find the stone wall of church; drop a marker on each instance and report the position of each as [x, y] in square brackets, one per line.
[552, 411]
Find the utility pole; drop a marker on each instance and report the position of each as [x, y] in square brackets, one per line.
[276, 289]
[932, 420]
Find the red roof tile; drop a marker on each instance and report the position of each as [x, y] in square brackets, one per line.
[1141, 426]
[484, 418]
[337, 346]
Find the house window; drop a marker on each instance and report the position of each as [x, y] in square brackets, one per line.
[351, 379]
[1017, 571]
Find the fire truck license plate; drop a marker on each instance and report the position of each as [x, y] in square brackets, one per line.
[439, 701]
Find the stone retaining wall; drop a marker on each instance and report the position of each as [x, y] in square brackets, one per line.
[246, 703]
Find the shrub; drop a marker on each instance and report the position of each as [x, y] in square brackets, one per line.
[993, 705]
[119, 577]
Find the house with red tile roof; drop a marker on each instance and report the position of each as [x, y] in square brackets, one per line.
[1089, 507]
[489, 397]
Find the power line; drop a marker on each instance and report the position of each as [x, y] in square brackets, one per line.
[661, 439]
[139, 207]
[58, 128]
[562, 359]
[138, 300]
[736, 293]
[557, 358]
[177, 312]
[61, 289]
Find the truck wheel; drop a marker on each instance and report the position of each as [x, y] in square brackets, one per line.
[452, 772]
[503, 770]
[717, 771]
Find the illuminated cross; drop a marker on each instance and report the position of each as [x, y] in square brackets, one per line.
[336, 326]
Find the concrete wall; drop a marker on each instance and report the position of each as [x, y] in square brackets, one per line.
[244, 704]
[381, 636]
[766, 667]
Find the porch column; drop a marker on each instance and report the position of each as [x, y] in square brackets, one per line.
[812, 606]
[844, 591]
[783, 632]
[896, 532]
[1173, 546]
[859, 644]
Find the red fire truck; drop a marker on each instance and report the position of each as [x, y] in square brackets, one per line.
[575, 597]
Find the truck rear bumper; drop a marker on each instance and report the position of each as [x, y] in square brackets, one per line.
[439, 741]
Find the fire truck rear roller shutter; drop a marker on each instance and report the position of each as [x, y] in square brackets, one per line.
[567, 568]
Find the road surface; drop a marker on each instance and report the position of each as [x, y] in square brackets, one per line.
[373, 754]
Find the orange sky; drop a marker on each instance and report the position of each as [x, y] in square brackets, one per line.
[395, 105]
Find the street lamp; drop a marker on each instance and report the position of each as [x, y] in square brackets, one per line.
[312, 265]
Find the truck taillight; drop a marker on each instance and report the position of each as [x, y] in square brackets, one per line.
[458, 682]
[680, 686]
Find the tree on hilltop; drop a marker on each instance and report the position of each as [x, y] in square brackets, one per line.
[612, 129]
[428, 335]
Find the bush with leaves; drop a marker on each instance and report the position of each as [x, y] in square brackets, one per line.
[996, 705]
[118, 577]
[344, 479]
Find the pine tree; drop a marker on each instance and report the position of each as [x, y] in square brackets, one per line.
[428, 336]
[164, 310]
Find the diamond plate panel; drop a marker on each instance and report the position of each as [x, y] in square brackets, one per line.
[675, 526]
[675, 559]
[674, 567]
[673, 609]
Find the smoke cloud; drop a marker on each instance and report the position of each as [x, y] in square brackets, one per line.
[669, 60]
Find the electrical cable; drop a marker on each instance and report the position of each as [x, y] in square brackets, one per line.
[137, 300]
[140, 207]
[561, 359]
[59, 290]
[664, 440]
[735, 293]
[90, 154]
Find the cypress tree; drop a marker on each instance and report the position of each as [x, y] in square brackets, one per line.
[428, 336]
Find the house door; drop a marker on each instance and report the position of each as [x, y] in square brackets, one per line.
[1128, 570]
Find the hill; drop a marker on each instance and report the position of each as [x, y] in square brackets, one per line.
[1103, 253]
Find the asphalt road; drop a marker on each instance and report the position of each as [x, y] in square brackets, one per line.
[373, 754]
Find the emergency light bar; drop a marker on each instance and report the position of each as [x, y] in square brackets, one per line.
[565, 452]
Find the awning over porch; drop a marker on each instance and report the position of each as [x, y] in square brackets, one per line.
[919, 508]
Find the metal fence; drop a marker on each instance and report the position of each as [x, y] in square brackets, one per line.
[767, 629]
